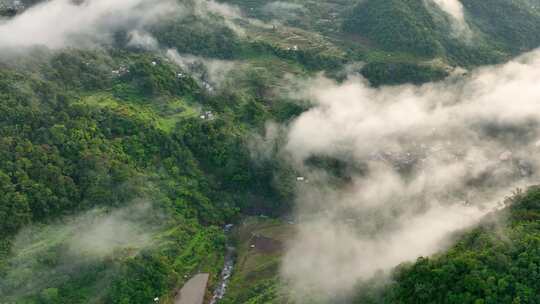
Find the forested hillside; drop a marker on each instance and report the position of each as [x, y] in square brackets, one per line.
[106, 129]
[498, 29]
[82, 139]
[121, 160]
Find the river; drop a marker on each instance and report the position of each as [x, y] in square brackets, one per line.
[226, 273]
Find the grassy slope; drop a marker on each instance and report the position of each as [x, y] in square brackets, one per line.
[256, 274]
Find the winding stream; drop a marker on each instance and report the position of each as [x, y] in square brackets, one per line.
[226, 273]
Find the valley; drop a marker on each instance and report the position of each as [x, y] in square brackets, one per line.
[276, 152]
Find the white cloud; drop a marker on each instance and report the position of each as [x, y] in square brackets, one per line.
[214, 72]
[142, 39]
[283, 10]
[455, 9]
[436, 158]
[75, 243]
[61, 23]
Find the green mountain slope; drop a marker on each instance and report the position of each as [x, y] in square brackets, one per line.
[64, 153]
[497, 29]
[76, 137]
[513, 24]
[401, 26]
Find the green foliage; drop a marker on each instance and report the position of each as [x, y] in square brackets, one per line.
[396, 25]
[256, 278]
[80, 69]
[81, 138]
[142, 278]
[86, 129]
[197, 36]
[380, 73]
[49, 296]
[152, 77]
[419, 28]
[513, 24]
[263, 292]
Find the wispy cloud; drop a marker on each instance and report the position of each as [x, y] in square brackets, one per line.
[455, 9]
[61, 23]
[44, 256]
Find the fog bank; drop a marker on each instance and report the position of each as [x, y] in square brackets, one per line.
[47, 255]
[420, 163]
[67, 23]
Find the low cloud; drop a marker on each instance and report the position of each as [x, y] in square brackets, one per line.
[428, 161]
[211, 73]
[336, 256]
[263, 147]
[455, 9]
[58, 24]
[45, 256]
[143, 40]
[99, 235]
[67, 23]
[283, 10]
[229, 13]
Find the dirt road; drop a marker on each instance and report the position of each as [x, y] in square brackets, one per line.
[193, 291]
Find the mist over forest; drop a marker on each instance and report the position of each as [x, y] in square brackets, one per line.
[259, 151]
